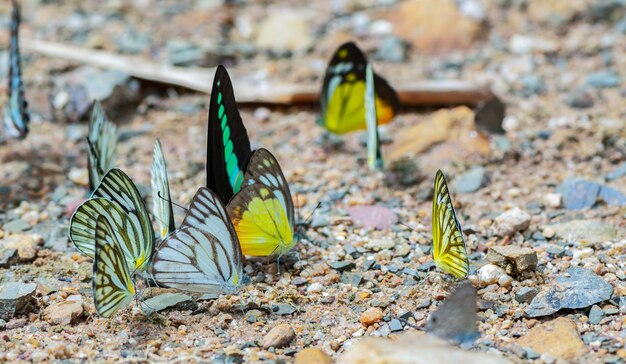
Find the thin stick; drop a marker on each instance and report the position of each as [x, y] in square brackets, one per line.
[414, 93]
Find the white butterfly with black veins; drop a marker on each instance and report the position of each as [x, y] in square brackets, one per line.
[204, 254]
[161, 199]
[101, 141]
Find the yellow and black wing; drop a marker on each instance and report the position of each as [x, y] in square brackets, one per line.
[261, 221]
[449, 251]
[343, 92]
[113, 287]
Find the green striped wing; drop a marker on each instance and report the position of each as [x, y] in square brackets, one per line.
[161, 199]
[102, 140]
[118, 188]
[113, 287]
[449, 251]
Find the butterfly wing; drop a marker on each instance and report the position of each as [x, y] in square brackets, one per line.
[83, 224]
[16, 116]
[260, 221]
[203, 255]
[449, 251]
[343, 89]
[456, 318]
[102, 140]
[161, 199]
[112, 284]
[118, 188]
[228, 147]
[374, 153]
[264, 169]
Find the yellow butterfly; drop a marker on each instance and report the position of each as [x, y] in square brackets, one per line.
[262, 212]
[343, 90]
[449, 251]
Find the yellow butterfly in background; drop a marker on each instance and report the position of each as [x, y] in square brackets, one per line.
[262, 212]
[449, 251]
[343, 90]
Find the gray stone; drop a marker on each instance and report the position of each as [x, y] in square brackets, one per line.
[603, 79]
[283, 309]
[392, 49]
[617, 172]
[320, 220]
[581, 289]
[169, 301]
[351, 278]
[579, 99]
[578, 193]
[8, 257]
[342, 266]
[472, 180]
[253, 316]
[511, 221]
[16, 298]
[16, 226]
[395, 325]
[526, 294]
[533, 84]
[513, 259]
[589, 231]
[595, 315]
[611, 196]
[488, 116]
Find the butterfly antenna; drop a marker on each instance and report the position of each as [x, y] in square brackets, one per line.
[308, 220]
[406, 226]
[170, 201]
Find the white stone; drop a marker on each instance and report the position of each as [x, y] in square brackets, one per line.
[490, 274]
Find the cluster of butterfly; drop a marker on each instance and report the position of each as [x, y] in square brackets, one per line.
[353, 97]
[246, 208]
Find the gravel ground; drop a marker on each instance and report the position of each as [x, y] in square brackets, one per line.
[536, 202]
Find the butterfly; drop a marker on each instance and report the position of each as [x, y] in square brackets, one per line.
[101, 141]
[113, 286]
[263, 212]
[204, 254]
[228, 146]
[117, 198]
[449, 251]
[456, 318]
[374, 153]
[16, 116]
[343, 89]
[161, 200]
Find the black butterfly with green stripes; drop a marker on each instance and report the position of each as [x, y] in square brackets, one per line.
[228, 146]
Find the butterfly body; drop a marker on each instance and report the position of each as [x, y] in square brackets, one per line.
[449, 251]
[16, 116]
[228, 146]
[343, 90]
